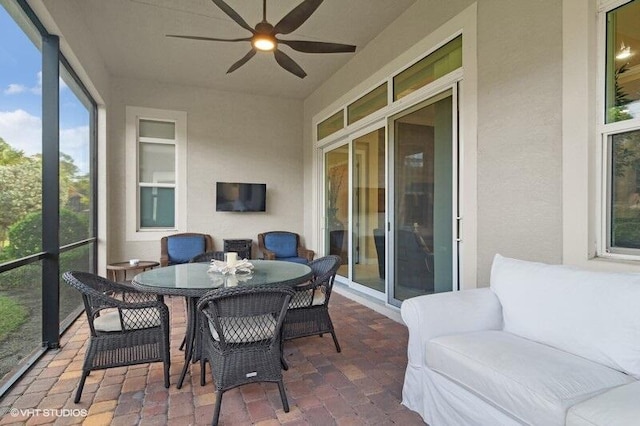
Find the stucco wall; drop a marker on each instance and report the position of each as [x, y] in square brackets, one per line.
[231, 137]
[519, 131]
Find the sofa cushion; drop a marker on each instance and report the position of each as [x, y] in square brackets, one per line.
[591, 314]
[245, 329]
[183, 249]
[617, 407]
[281, 244]
[533, 382]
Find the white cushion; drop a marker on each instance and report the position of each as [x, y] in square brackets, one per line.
[245, 329]
[318, 298]
[301, 297]
[616, 407]
[591, 314]
[134, 319]
[532, 382]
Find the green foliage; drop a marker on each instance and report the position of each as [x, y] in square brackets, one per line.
[27, 275]
[20, 191]
[25, 236]
[626, 233]
[8, 155]
[12, 316]
[21, 196]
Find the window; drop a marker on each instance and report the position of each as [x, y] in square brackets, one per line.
[331, 125]
[156, 166]
[428, 69]
[47, 190]
[368, 104]
[621, 130]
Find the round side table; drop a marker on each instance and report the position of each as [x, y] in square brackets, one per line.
[120, 269]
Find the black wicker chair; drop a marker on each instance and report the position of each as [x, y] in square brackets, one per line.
[206, 257]
[127, 327]
[240, 330]
[308, 313]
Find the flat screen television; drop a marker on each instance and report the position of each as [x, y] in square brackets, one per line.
[241, 197]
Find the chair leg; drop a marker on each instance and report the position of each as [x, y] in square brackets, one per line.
[283, 396]
[335, 340]
[216, 412]
[167, 367]
[283, 362]
[203, 370]
[81, 386]
[328, 322]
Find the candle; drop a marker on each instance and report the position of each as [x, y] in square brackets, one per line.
[231, 258]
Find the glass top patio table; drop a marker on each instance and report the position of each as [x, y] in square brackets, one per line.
[193, 280]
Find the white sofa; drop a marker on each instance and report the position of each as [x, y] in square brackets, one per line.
[544, 345]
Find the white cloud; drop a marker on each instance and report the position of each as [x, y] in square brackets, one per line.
[75, 142]
[14, 89]
[23, 131]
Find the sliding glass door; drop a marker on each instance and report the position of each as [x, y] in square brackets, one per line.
[355, 182]
[424, 163]
[368, 212]
[336, 202]
[399, 243]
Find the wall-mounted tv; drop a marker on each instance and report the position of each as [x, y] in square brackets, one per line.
[241, 197]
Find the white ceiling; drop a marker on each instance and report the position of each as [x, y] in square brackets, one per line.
[131, 39]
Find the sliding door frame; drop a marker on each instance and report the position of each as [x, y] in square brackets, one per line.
[456, 218]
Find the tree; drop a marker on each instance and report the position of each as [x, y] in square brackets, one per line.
[8, 155]
[20, 191]
[25, 236]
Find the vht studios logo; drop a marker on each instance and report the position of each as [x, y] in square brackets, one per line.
[44, 412]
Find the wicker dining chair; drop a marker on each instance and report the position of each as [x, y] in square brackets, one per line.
[241, 340]
[206, 257]
[127, 327]
[308, 313]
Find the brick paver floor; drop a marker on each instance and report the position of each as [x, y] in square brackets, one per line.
[362, 385]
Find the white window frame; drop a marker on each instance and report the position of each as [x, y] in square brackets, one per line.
[605, 132]
[132, 199]
[464, 23]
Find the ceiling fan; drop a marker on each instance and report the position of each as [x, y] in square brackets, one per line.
[264, 36]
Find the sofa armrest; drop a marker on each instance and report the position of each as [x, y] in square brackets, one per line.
[441, 314]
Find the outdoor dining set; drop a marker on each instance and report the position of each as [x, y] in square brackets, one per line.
[239, 314]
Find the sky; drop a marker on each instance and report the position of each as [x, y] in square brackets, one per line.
[21, 99]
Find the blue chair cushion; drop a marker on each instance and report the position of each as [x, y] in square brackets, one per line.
[293, 259]
[283, 245]
[182, 249]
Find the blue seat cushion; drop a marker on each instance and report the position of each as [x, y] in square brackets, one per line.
[182, 249]
[295, 259]
[282, 244]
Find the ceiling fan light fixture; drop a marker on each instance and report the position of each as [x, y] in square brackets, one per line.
[624, 52]
[264, 42]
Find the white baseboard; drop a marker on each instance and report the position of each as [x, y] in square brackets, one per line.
[377, 305]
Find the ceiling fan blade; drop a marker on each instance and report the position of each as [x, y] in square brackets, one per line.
[242, 61]
[288, 64]
[208, 38]
[318, 46]
[233, 14]
[296, 17]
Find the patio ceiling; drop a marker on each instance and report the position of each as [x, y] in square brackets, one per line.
[130, 36]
